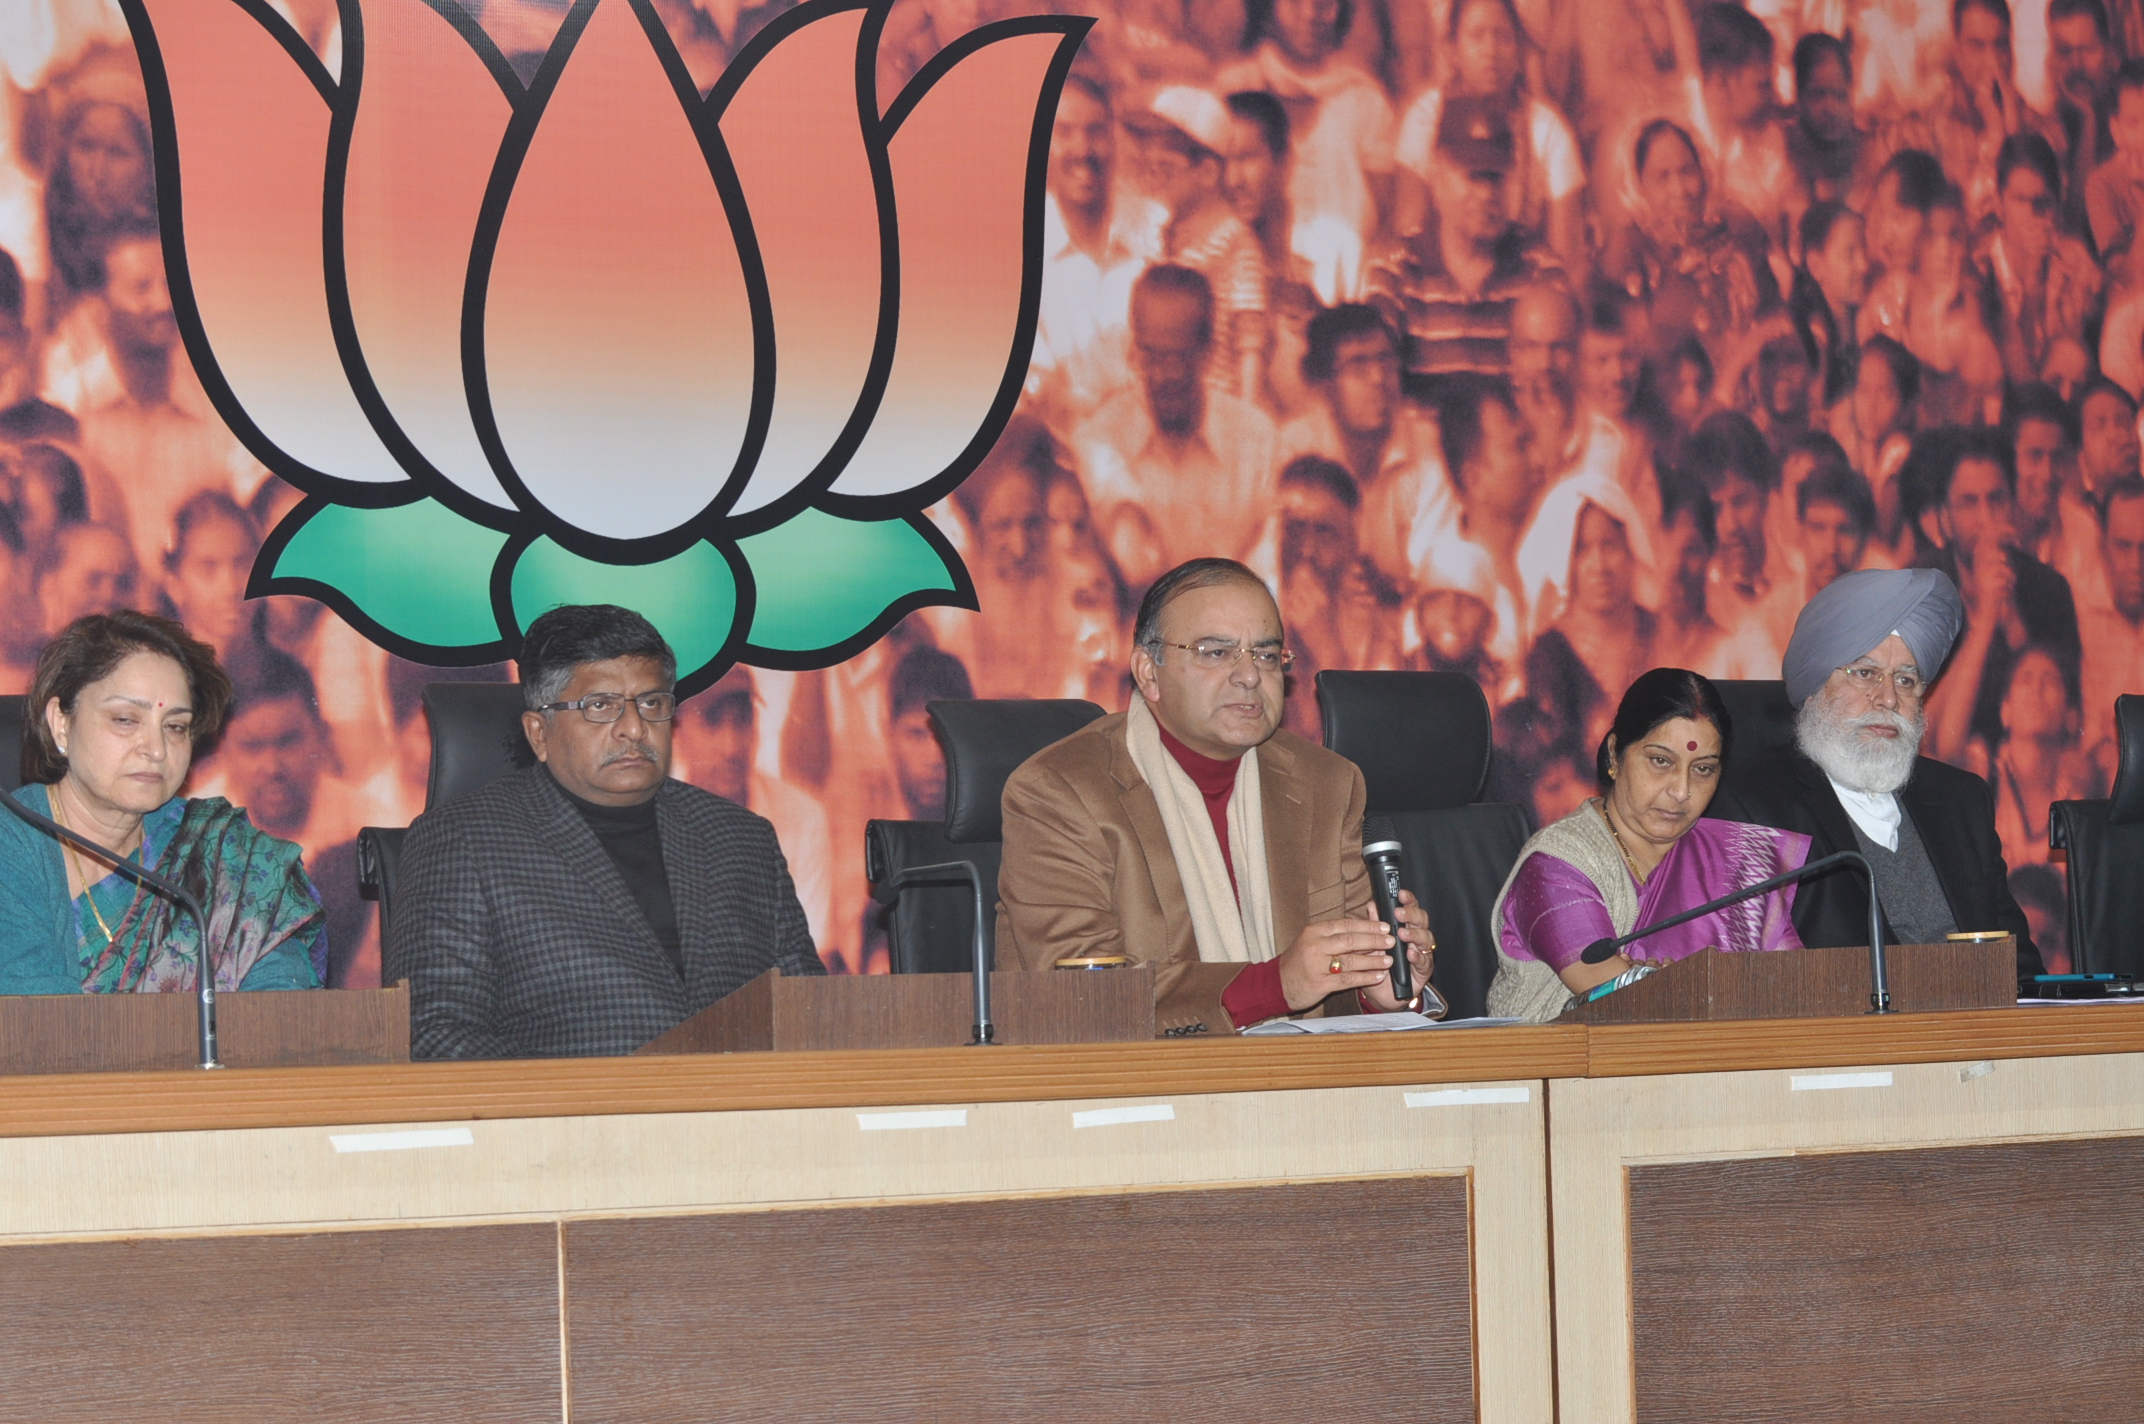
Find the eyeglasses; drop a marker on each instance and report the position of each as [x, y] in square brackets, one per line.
[1870, 680]
[1212, 656]
[610, 706]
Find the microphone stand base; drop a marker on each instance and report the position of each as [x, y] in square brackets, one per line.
[985, 1036]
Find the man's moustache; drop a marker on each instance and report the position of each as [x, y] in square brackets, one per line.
[635, 753]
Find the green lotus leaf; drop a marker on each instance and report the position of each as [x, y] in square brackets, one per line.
[822, 580]
[691, 597]
[419, 571]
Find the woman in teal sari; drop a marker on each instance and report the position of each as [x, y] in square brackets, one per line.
[116, 708]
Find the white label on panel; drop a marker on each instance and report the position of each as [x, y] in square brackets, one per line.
[1111, 1117]
[1975, 1070]
[1820, 1082]
[895, 1121]
[402, 1141]
[1469, 1097]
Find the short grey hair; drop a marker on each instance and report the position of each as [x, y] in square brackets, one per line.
[576, 633]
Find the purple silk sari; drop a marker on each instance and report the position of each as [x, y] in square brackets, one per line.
[1554, 911]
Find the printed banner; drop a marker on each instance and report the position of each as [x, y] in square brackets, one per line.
[885, 352]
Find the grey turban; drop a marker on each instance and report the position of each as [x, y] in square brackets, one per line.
[1852, 614]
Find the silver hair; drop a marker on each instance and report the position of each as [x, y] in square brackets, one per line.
[573, 634]
[549, 685]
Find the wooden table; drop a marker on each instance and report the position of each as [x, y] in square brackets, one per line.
[1227, 1230]
[1241, 1229]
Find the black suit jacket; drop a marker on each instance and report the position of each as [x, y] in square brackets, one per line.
[521, 940]
[1952, 809]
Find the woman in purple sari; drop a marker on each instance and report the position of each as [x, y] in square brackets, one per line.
[1640, 852]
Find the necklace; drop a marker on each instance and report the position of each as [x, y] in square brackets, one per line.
[82, 873]
[1635, 873]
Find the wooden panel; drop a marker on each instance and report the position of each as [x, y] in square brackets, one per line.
[59, 1104]
[90, 1033]
[459, 1326]
[818, 1013]
[1219, 1305]
[1913, 1287]
[322, 1027]
[1604, 1130]
[1813, 983]
[1633, 1050]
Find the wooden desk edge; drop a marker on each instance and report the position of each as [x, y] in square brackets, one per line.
[1642, 1050]
[189, 1100]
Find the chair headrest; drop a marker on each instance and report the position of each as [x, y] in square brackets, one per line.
[1762, 716]
[985, 742]
[11, 741]
[2128, 801]
[476, 736]
[1421, 738]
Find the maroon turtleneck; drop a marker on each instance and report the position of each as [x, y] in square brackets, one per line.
[1254, 995]
[1216, 781]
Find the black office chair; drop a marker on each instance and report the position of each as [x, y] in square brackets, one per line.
[476, 739]
[1762, 716]
[476, 736]
[10, 742]
[2105, 842]
[930, 926]
[1422, 740]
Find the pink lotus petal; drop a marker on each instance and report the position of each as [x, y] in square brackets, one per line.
[618, 338]
[796, 115]
[429, 121]
[960, 180]
[252, 139]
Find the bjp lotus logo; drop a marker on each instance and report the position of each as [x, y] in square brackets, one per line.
[596, 337]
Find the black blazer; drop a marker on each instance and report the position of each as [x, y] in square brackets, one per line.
[521, 940]
[1952, 809]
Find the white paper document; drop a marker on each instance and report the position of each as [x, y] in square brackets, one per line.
[1369, 1023]
[2076, 1003]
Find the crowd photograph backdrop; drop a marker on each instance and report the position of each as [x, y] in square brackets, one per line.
[886, 352]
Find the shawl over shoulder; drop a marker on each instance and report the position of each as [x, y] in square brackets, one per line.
[262, 909]
[1526, 988]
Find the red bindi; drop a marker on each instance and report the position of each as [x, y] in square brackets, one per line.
[1693, 746]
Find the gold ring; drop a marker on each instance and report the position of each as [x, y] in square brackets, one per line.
[1333, 968]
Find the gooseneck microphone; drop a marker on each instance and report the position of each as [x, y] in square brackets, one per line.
[1879, 979]
[1381, 853]
[985, 1031]
[163, 885]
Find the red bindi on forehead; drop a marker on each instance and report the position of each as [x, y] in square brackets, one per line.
[1693, 746]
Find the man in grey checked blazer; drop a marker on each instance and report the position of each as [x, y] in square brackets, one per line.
[589, 903]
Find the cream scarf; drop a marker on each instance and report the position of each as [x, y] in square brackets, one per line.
[1231, 928]
[1526, 988]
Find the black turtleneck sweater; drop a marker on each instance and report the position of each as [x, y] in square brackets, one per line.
[630, 837]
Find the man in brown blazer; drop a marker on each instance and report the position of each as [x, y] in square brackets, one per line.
[1151, 834]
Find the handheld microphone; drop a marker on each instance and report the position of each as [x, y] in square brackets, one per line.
[162, 885]
[1381, 853]
[1879, 979]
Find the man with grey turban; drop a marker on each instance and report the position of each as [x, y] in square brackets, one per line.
[1857, 671]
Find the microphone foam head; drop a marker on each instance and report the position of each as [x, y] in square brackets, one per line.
[1378, 836]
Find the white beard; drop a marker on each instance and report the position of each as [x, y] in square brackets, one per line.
[1871, 764]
